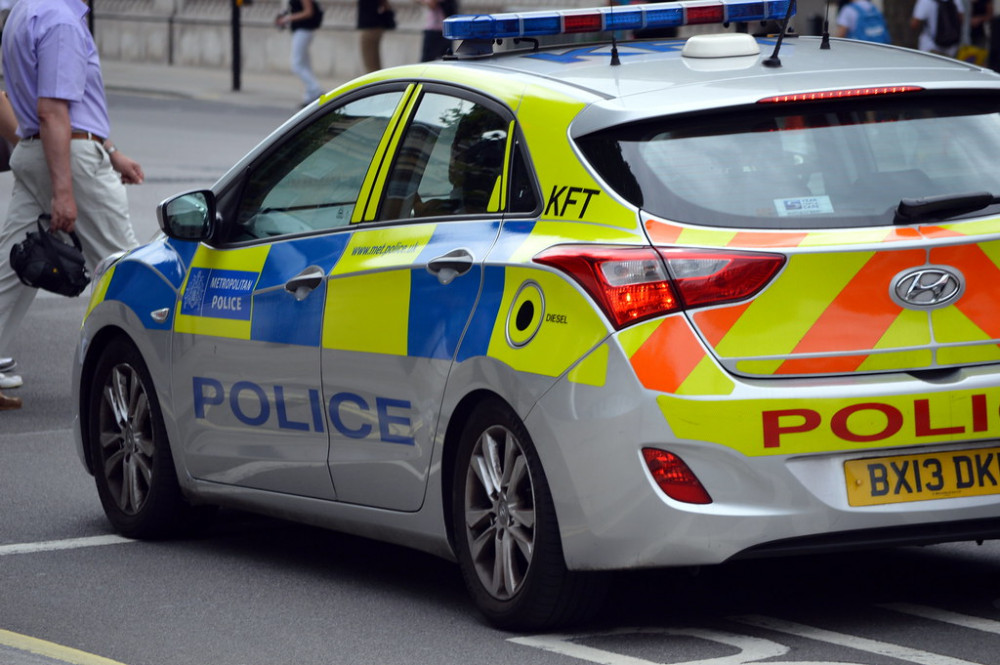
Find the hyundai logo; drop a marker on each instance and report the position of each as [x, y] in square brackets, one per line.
[928, 287]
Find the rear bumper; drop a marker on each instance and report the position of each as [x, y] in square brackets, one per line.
[889, 536]
[765, 502]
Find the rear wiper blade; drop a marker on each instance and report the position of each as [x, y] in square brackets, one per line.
[942, 206]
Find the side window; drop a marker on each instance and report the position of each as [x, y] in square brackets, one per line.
[450, 161]
[312, 181]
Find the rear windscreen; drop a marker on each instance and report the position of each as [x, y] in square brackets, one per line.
[804, 165]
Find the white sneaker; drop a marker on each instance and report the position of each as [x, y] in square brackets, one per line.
[7, 364]
[10, 381]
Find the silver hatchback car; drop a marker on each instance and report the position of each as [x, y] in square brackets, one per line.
[557, 311]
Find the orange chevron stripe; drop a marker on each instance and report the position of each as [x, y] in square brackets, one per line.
[669, 355]
[982, 278]
[764, 240]
[904, 233]
[715, 323]
[939, 232]
[663, 233]
[835, 365]
[862, 312]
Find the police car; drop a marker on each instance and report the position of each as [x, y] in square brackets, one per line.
[557, 311]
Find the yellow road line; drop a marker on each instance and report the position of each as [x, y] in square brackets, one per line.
[52, 650]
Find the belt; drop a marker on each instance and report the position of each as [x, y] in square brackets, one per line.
[73, 135]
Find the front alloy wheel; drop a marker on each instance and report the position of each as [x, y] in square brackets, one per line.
[132, 463]
[126, 439]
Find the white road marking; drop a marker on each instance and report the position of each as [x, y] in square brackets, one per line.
[944, 616]
[850, 641]
[67, 544]
[751, 649]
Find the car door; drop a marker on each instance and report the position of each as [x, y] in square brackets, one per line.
[400, 298]
[247, 335]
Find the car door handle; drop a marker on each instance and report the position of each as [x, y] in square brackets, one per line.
[305, 282]
[451, 265]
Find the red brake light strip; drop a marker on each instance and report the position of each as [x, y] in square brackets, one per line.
[822, 95]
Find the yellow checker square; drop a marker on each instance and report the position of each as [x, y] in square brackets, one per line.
[351, 323]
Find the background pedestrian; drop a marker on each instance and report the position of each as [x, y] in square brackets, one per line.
[435, 44]
[303, 17]
[862, 20]
[925, 21]
[374, 18]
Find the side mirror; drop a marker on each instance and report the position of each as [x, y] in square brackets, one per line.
[189, 216]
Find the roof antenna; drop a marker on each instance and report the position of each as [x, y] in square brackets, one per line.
[614, 43]
[825, 44]
[774, 60]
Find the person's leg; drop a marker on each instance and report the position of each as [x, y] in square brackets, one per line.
[302, 63]
[31, 173]
[427, 48]
[435, 45]
[102, 217]
[371, 58]
[15, 297]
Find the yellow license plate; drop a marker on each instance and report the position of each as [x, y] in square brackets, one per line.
[943, 475]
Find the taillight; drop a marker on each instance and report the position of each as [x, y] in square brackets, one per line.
[674, 477]
[632, 284]
[629, 283]
[705, 277]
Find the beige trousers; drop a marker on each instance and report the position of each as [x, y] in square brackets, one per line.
[102, 223]
[371, 57]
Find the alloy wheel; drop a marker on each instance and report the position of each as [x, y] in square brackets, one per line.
[126, 439]
[500, 512]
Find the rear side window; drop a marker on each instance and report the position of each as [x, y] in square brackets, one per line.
[806, 165]
[451, 161]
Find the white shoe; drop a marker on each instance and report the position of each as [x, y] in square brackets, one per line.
[7, 364]
[10, 381]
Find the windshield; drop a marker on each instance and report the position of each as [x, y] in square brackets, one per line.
[805, 165]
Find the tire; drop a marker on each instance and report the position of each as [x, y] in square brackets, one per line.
[506, 534]
[133, 468]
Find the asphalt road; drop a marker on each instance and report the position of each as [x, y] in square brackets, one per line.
[253, 591]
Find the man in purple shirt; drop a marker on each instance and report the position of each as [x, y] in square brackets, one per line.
[64, 163]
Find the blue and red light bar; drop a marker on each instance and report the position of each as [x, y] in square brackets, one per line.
[602, 19]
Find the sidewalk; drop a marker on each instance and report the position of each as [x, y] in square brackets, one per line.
[210, 84]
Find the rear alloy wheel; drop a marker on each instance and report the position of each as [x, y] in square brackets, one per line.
[507, 536]
[500, 512]
[133, 469]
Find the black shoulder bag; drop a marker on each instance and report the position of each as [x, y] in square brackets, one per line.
[44, 261]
